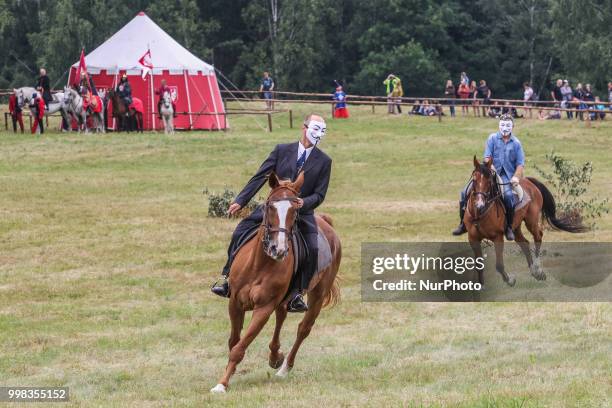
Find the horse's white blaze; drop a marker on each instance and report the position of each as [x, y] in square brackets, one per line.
[218, 389]
[282, 209]
[284, 370]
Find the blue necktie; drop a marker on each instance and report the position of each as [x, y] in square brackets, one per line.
[300, 162]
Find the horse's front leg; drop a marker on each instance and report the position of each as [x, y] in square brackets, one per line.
[499, 261]
[477, 248]
[276, 356]
[258, 321]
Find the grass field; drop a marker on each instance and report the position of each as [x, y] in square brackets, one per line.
[107, 254]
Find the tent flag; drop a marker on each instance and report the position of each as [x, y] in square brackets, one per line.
[146, 63]
[82, 67]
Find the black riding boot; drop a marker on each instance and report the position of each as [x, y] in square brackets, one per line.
[221, 287]
[509, 219]
[461, 228]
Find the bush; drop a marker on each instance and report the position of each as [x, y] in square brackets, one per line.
[218, 204]
[570, 183]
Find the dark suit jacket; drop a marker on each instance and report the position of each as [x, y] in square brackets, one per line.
[283, 160]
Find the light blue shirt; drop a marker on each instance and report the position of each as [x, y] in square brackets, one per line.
[506, 156]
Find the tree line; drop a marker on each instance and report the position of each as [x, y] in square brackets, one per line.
[307, 44]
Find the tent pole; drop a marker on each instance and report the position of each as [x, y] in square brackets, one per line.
[152, 103]
[188, 99]
[212, 96]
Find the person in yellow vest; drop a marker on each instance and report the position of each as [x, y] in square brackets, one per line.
[394, 90]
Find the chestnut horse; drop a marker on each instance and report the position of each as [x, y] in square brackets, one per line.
[485, 219]
[260, 276]
[125, 115]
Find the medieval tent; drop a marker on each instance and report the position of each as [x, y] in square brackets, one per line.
[147, 54]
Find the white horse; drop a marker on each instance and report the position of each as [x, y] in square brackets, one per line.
[74, 105]
[24, 97]
[167, 113]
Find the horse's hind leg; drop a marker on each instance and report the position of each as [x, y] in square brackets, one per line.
[258, 321]
[535, 227]
[276, 357]
[315, 303]
[523, 243]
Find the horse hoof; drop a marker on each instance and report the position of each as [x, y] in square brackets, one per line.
[283, 372]
[511, 281]
[218, 389]
[279, 361]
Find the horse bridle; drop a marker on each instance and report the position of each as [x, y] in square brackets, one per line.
[268, 228]
[488, 198]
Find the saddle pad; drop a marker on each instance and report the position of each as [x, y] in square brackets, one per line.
[325, 255]
[520, 204]
[137, 105]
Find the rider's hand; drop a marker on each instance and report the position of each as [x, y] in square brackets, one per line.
[233, 208]
[514, 180]
[299, 202]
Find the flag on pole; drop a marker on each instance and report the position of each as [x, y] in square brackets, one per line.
[145, 62]
[82, 68]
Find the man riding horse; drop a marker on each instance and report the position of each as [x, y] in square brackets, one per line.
[161, 91]
[287, 160]
[43, 85]
[124, 90]
[508, 158]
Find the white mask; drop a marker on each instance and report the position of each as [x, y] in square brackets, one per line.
[505, 127]
[315, 131]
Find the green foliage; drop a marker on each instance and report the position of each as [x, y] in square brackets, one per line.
[571, 182]
[218, 203]
[420, 71]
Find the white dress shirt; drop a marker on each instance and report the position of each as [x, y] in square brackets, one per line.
[301, 149]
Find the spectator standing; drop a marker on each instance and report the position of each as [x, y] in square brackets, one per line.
[450, 95]
[394, 90]
[483, 96]
[589, 100]
[527, 98]
[473, 92]
[464, 79]
[267, 87]
[464, 94]
[556, 94]
[340, 110]
[610, 93]
[397, 94]
[15, 111]
[566, 96]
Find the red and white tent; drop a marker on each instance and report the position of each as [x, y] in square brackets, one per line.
[193, 82]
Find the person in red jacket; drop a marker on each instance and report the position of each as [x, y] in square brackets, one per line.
[37, 107]
[162, 89]
[15, 111]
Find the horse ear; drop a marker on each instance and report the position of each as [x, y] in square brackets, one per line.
[490, 163]
[273, 180]
[476, 163]
[297, 184]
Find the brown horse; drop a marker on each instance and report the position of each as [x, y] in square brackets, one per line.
[125, 114]
[260, 276]
[485, 219]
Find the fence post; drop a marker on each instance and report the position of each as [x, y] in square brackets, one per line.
[6, 120]
[332, 110]
[373, 105]
[270, 122]
[588, 118]
[291, 118]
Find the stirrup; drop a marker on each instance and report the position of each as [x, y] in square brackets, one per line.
[221, 288]
[297, 304]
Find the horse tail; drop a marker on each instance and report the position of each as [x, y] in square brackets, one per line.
[332, 298]
[549, 208]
